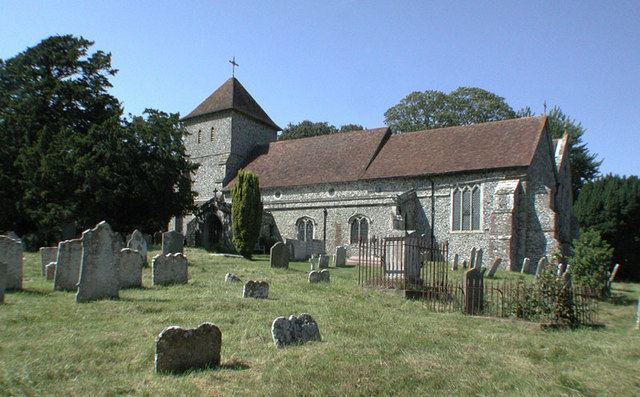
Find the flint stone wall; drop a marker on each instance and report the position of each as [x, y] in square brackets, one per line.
[68, 263]
[99, 268]
[179, 349]
[11, 254]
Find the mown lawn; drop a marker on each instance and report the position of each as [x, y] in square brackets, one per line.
[373, 342]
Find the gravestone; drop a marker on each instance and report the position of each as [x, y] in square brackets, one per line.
[11, 254]
[231, 278]
[525, 266]
[99, 266]
[340, 257]
[323, 261]
[494, 267]
[542, 264]
[637, 314]
[68, 265]
[138, 243]
[294, 330]
[172, 243]
[47, 255]
[313, 262]
[256, 289]
[179, 349]
[464, 264]
[456, 258]
[478, 263]
[279, 255]
[130, 268]
[472, 260]
[316, 276]
[3, 280]
[50, 271]
[473, 286]
[169, 269]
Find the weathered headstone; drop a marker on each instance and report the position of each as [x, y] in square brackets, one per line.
[99, 267]
[231, 278]
[525, 266]
[464, 264]
[47, 255]
[279, 255]
[340, 257]
[454, 266]
[473, 286]
[50, 271]
[179, 349]
[313, 262]
[68, 265]
[323, 261]
[256, 289]
[472, 260]
[172, 243]
[542, 264]
[169, 269]
[478, 263]
[294, 330]
[316, 276]
[3, 280]
[138, 243]
[494, 267]
[11, 254]
[130, 268]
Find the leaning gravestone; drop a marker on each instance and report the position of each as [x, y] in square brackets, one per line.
[316, 276]
[169, 269]
[279, 255]
[323, 261]
[454, 266]
[138, 243]
[472, 263]
[542, 264]
[179, 349]
[11, 254]
[172, 243]
[525, 266]
[478, 262]
[231, 278]
[340, 257]
[68, 265]
[130, 268]
[294, 330]
[3, 279]
[50, 271]
[494, 267]
[256, 289]
[99, 267]
[47, 255]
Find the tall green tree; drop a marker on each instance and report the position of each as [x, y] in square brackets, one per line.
[246, 212]
[435, 109]
[610, 205]
[308, 128]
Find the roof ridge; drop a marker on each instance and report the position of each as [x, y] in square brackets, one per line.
[465, 126]
[365, 131]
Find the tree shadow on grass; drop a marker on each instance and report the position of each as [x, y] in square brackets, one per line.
[36, 292]
[235, 365]
[621, 300]
[130, 299]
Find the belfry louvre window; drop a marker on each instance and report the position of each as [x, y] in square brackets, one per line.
[359, 229]
[305, 229]
[466, 208]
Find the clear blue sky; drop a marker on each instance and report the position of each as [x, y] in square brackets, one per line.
[349, 61]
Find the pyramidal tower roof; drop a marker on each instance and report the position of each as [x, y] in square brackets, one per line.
[232, 96]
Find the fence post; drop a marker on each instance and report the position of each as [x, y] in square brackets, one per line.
[473, 284]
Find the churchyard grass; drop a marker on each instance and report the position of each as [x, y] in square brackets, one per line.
[373, 342]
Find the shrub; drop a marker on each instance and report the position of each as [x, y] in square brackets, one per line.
[246, 212]
[591, 260]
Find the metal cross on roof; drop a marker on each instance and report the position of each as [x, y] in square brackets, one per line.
[233, 66]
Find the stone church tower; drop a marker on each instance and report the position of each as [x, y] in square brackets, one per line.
[224, 131]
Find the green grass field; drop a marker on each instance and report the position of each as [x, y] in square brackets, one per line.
[373, 342]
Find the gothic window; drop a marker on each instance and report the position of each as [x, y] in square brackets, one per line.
[466, 208]
[199, 136]
[359, 229]
[304, 226]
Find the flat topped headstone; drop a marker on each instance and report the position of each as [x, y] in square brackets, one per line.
[473, 286]
[340, 257]
[169, 269]
[172, 243]
[542, 264]
[464, 264]
[294, 330]
[179, 349]
[525, 265]
[478, 262]
[99, 267]
[494, 267]
[473, 258]
[454, 266]
[50, 271]
[279, 255]
[11, 254]
[138, 243]
[68, 265]
[3, 280]
[47, 255]
[130, 268]
[319, 276]
[323, 261]
[256, 289]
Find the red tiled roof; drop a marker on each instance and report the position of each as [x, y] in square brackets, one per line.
[232, 95]
[376, 154]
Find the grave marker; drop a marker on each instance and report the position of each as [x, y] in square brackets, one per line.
[256, 289]
[11, 254]
[279, 255]
[172, 243]
[169, 269]
[68, 264]
[130, 268]
[99, 267]
[294, 330]
[179, 349]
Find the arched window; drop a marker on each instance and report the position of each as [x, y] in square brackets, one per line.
[304, 226]
[199, 136]
[466, 208]
[359, 229]
[212, 131]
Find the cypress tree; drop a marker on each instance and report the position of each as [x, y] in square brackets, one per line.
[246, 212]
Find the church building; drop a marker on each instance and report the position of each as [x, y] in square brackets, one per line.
[501, 186]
